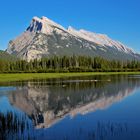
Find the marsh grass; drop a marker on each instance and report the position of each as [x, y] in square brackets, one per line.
[30, 76]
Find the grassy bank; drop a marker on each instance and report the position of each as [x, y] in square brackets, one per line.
[29, 76]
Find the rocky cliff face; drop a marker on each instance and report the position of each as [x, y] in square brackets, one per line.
[46, 38]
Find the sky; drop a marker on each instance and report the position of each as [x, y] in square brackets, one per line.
[119, 19]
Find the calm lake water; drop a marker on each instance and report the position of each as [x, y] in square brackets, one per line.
[80, 108]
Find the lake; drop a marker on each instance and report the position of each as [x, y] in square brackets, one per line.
[103, 107]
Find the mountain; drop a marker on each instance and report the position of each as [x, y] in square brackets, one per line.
[46, 38]
[5, 56]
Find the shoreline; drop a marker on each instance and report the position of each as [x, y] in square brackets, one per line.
[30, 76]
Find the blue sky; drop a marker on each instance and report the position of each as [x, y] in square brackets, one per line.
[119, 19]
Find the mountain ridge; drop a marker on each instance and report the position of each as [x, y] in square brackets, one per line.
[45, 38]
[6, 57]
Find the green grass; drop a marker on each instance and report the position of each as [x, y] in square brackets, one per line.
[29, 76]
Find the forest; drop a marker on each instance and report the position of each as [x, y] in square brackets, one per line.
[68, 64]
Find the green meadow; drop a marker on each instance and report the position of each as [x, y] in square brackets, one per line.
[30, 76]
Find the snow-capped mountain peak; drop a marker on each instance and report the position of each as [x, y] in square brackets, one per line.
[43, 25]
[44, 37]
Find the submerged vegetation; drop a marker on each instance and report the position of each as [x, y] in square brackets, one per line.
[13, 126]
[68, 64]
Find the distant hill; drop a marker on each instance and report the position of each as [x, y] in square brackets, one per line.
[6, 56]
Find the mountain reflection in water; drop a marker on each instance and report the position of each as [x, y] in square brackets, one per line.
[47, 102]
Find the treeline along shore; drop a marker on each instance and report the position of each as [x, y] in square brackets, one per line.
[68, 64]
